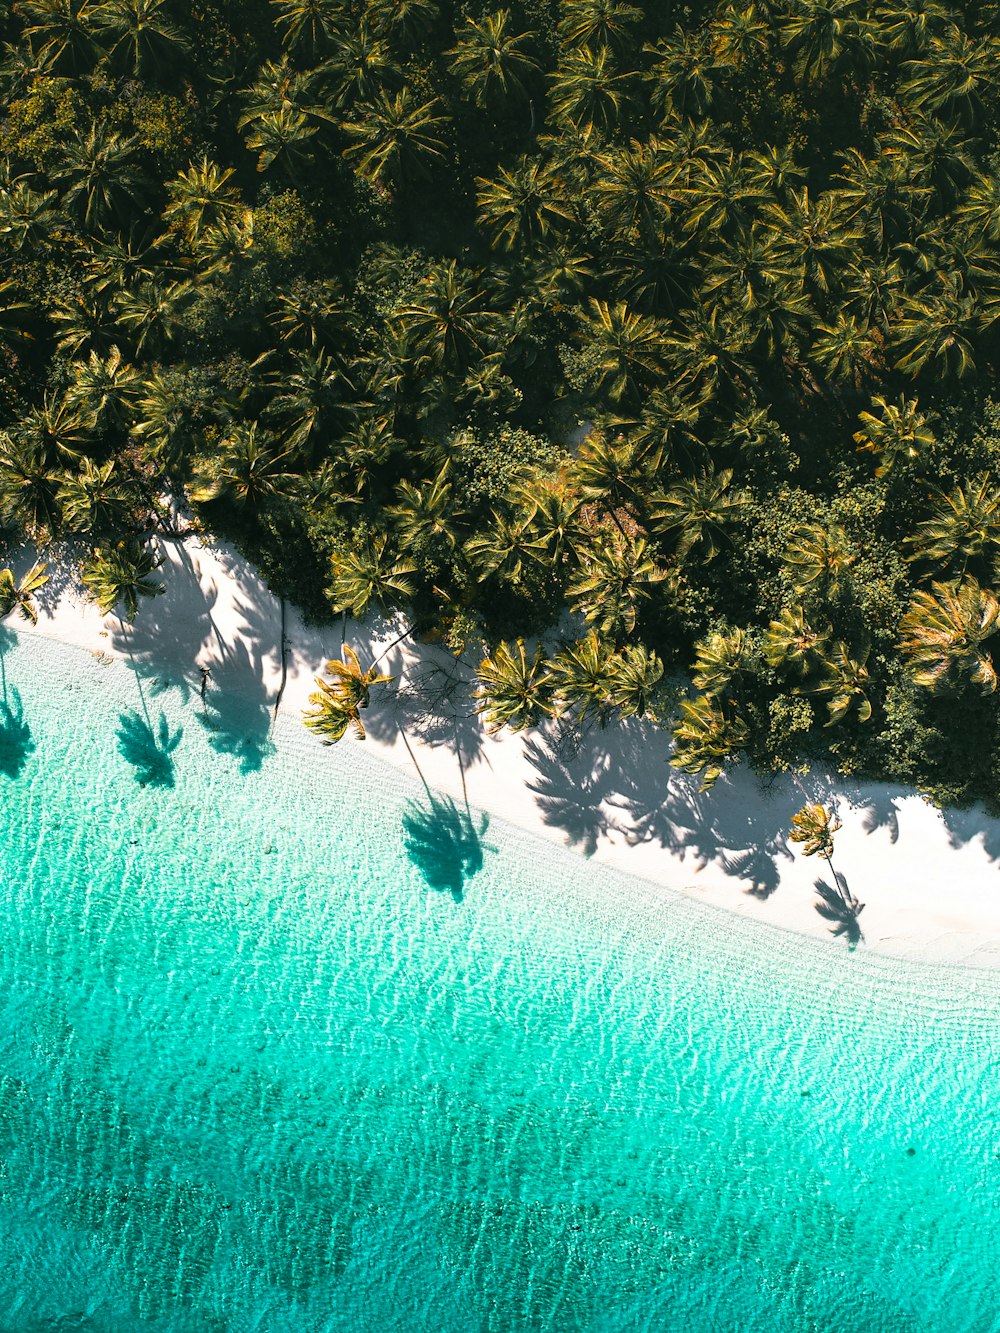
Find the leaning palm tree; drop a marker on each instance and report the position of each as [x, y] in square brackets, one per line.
[514, 689]
[814, 826]
[943, 632]
[118, 576]
[336, 704]
[17, 594]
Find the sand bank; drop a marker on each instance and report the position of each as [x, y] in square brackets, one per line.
[930, 880]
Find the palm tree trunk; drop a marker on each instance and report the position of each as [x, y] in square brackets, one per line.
[284, 662]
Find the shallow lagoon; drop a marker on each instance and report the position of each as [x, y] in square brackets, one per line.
[285, 1046]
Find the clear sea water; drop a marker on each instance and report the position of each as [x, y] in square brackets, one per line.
[286, 1048]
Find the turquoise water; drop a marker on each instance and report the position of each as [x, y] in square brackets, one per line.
[283, 1048]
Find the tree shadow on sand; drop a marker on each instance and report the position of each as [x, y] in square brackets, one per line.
[444, 843]
[840, 907]
[148, 748]
[591, 783]
[16, 744]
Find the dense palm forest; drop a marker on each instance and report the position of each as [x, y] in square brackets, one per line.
[667, 329]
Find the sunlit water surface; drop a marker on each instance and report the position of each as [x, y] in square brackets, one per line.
[285, 1048]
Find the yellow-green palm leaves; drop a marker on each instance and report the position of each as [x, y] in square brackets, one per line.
[814, 826]
[514, 688]
[16, 594]
[336, 704]
[943, 632]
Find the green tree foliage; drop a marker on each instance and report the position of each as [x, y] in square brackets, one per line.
[659, 334]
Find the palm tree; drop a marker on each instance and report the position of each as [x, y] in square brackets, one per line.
[614, 475]
[200, 197]
[900, 434]
[792, 644]
[814, 236]
[282, 137]
[448, 324]
[617, 576]
[61, 33]
[522, 208]
[814, 826]
[29, 486]
[311, 26]
[312, 314]
[847, 351]
[153, 313]
[103, 390]
[979, 209]
[17, 594]
[29, 218]
[425, 516]
[845, 683]
[95, 500]
[99, 175]
[369, 572]
[683, 79]
[825, 37]
[635, 189]
[623, 350]
[246, 470]
[404, 20]
[308, 403]
[580, 674]
[589, 91]
[552, 514]
[964, 527]
[719, 660]
[816, 561]
[635, 674]
[395, 138]
[907, 26]
[491, 61]
[500, 551]
[706, 736]
[361, 66]
[514, 690]
[937, 331]
[119, 575]
[144, 38]
[955, 75]
[943, 632]
[600, 23]
[336, 703]
[697, 512]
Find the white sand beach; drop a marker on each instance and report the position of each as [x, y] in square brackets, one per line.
[930, 880]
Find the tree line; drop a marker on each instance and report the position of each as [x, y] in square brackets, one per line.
[664, 332]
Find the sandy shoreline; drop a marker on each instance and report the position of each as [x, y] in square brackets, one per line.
[930, 881]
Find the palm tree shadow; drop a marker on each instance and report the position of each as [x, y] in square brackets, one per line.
[16, 744]
[148, 749]
[839, 906]
[444, 844]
